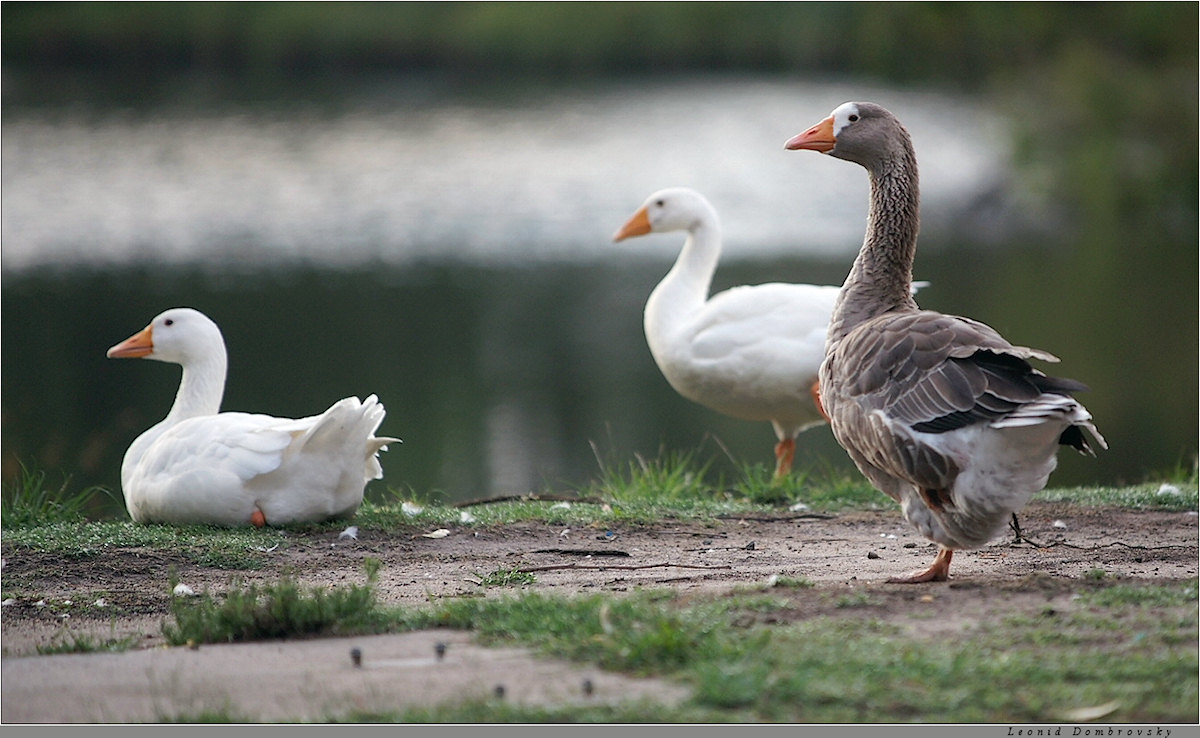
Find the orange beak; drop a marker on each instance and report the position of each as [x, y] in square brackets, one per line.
[818, 138]
[637, 225]
[135, 347]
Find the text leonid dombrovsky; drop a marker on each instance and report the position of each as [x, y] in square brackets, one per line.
[1076, 731]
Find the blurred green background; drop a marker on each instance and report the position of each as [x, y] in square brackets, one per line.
[1098, 266]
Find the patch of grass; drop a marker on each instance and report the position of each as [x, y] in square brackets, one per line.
[30, 500]
[1181, 495]
[636, 712]
[645, 490]
[282, 609]
[506, 578]
[225, 548]
[71, 642]
[824, 489]
[853, 669]
[792, 583]
[206, 717]
[855, 599]
[637, 634]
[670, 477]
[1119, 595]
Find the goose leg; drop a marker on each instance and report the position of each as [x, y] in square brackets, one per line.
[785, 451]
[815, 390]
[938, 571]
[257, 519]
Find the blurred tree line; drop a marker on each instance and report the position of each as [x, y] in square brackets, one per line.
[964, 44]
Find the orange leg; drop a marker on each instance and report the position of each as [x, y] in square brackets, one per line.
[257, 518]
[938, 571]
[785, 451]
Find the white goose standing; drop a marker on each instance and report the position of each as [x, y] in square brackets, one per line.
[750, 352]
[200, 465]
[941, 413]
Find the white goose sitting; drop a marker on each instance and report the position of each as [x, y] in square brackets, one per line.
[200, 465]
[750, 352]
[941, 413]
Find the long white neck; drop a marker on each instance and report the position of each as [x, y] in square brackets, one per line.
[201, 387]
[685, 288]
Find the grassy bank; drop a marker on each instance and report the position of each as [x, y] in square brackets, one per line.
[781, 650]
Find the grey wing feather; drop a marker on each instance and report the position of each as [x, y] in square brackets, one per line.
[935, 372]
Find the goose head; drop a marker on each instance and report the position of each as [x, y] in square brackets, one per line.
[861, 132]
[672, 209]
[179, 336]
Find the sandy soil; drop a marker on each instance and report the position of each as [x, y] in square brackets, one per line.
[314, 679]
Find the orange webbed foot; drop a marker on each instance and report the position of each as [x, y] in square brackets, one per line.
[938, 571]
[257, 519]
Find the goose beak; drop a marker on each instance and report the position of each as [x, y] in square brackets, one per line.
[135, 347]
[637, 225]
[818, 138]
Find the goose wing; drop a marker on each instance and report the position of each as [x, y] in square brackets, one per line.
[785, 321]
[927, 372]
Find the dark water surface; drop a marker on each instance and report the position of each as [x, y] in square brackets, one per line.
[450, 252]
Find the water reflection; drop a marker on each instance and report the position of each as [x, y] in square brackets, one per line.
[407, 175]
[452, 254]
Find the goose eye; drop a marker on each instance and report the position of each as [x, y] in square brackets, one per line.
[853, 118]
[659, 203]
[169, 321]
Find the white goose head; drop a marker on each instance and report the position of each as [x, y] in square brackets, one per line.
[671, 209]
[179, 336]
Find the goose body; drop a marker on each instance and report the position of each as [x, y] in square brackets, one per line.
[751, 352]
[200, 465]
[939, 412]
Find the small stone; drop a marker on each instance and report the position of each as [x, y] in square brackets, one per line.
[872, 555]
[751, 546]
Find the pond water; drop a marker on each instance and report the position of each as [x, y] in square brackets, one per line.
[447, 246]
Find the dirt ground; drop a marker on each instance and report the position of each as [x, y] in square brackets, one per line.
[314, 679]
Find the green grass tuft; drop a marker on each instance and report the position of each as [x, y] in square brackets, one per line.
[31, 501]
[71, 642]
[282, 609]
[506, 578]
